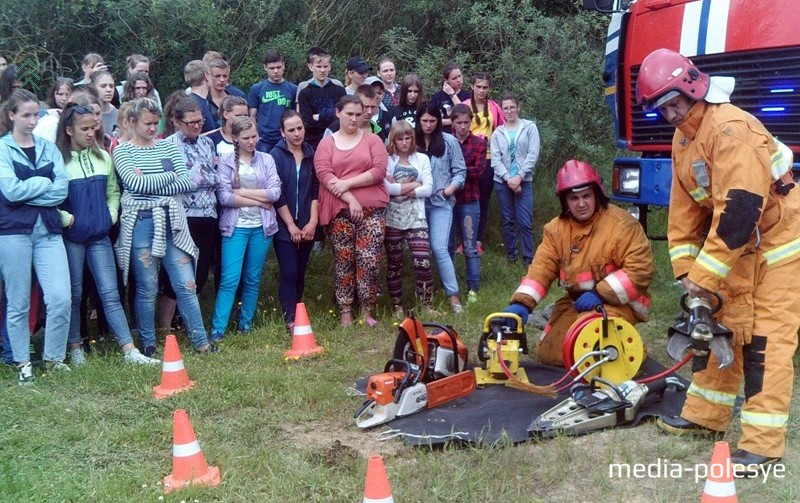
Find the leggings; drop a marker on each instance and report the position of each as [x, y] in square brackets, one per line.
[420, 246]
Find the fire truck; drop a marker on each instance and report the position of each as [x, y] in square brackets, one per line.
[755, 41]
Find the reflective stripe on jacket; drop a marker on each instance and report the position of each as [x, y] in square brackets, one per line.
[610, 253]
[722, 182]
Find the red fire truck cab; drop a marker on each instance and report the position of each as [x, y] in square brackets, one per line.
[755, 41]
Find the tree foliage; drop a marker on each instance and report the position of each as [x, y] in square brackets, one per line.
[548, 53]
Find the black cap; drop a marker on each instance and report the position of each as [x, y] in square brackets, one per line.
[358, 64]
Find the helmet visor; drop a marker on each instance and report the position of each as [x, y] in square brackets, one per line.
[653, 105]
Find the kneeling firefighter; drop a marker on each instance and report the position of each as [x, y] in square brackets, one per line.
[731, 177]
[599, 253]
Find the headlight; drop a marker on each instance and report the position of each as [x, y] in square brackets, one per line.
[634, 211]
[626, 179]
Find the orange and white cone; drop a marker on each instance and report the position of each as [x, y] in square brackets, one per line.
[376, 487]
[303, 341]
[719, 484]
[188, 463]
[173, 373]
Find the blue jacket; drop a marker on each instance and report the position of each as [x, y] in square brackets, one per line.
[302, 189]
[92, 205]
[29, 191]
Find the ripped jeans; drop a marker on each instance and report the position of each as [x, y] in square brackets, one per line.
[466, 218]
[180, 269]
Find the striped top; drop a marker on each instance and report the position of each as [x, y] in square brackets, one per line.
[148, 173]
[152, 177]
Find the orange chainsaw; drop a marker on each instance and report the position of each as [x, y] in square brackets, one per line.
[428, 370]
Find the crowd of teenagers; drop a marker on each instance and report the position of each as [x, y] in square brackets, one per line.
[141, 198]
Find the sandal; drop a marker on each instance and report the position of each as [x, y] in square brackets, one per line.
[368, 319]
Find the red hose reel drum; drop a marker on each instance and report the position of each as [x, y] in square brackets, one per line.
[586, 335]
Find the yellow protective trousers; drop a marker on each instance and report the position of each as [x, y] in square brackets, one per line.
[769, 302]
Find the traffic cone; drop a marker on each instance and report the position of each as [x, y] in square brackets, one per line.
[188, 463]
[376, 487]
[303, 342]
[719, 484]
[173, 373]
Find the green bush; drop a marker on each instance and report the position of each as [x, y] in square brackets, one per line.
[552, 59]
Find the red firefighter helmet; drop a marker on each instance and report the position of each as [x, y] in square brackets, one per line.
[664, 74]
[576, 174]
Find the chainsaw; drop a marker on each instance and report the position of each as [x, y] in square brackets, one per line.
[590, 407]
[428, 369]
[391, 394]
[696, 332]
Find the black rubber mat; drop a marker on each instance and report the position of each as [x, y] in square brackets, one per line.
[499, 413]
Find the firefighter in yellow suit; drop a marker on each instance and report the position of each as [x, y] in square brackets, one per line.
[734, 228]
[599, 253]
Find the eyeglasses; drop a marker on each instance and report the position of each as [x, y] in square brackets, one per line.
[193, 123]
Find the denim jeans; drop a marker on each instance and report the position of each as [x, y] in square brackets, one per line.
[486, 184]
[180, 269]
[439, 221]
[516, 210]
[243, 255]
[100, 257]
[45, 252]
[465, 218]
[7, 356]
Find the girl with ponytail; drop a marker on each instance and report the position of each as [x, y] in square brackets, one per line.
[88, 213]
[486, 117]
[248, 187]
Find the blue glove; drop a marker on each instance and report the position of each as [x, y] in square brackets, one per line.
[588, 301]
[519, 310]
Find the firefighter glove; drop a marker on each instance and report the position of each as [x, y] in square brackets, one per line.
[588, 301]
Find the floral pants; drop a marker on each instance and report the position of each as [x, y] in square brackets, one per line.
[357, 248]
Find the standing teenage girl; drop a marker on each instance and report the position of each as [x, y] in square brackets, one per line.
[103, 82]
[88, 213]
[388, 74]
[231, 108]
[409, 183]
[486, 117]
[410, 96]
[466, 212]
[451, 94]
[351, 166]
[33, 182]
[298, 210]
[449, 172]
[248, 187]
[153, 227]
[515, 150]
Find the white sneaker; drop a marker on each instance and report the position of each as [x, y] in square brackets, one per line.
[77, 357]
[137, 358]
[57, 367]
[25, 377]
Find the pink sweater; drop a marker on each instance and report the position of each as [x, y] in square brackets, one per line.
[369, 155]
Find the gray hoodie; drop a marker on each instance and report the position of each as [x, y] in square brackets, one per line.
[527, 151]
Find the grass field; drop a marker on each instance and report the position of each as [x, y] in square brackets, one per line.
[283, 431]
